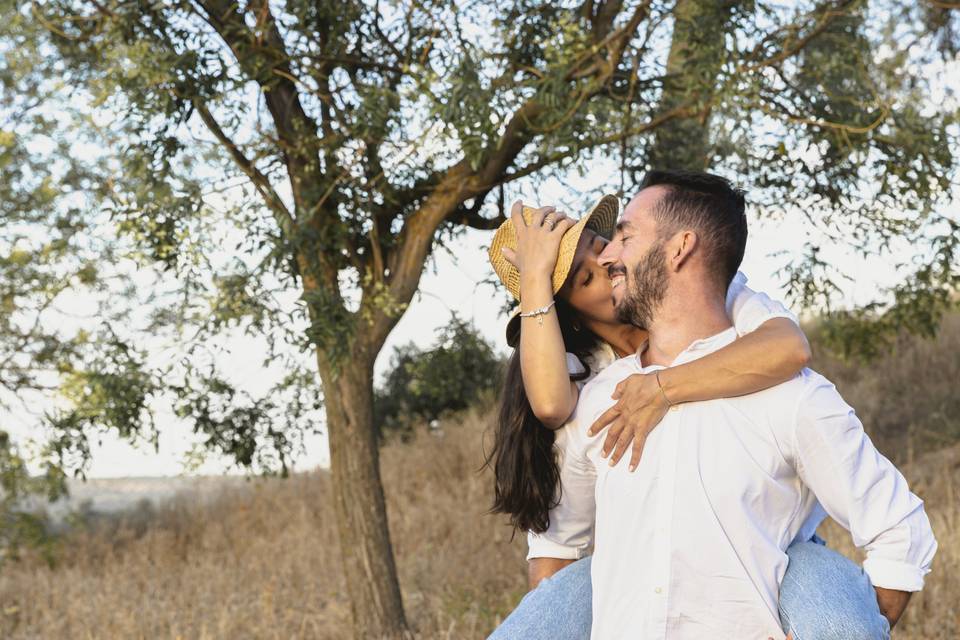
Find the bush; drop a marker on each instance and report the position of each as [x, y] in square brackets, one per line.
[458, 371]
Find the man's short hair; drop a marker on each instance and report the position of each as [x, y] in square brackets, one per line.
[709, 205]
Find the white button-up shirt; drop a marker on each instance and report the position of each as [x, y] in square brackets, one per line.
[692, 544]
[747, 309]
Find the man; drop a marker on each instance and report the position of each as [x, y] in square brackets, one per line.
[692, 543]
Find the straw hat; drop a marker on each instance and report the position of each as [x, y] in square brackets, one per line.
[602, 219]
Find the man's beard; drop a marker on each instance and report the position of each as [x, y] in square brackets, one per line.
[645, 289]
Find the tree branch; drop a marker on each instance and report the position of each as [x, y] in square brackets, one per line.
[259, 180]
[824, 21]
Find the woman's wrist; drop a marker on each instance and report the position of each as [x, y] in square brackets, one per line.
[535, 291]
[671, 387]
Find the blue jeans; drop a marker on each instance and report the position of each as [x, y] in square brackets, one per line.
[823, 596]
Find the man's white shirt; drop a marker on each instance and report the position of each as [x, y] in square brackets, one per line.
[692, 544]
[747, 310]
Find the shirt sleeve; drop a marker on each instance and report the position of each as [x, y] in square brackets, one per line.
[570, 532]
[861, 489]
[748, 309]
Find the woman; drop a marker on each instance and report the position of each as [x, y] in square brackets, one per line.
[565, 333]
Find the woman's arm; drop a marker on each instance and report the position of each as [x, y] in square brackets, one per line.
[771, 354]
[543, 359]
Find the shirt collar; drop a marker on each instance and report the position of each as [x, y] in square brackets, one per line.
[697, 349]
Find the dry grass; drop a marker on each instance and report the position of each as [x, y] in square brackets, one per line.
[261, 560]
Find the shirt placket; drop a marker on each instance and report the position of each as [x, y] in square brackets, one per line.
[666, 481]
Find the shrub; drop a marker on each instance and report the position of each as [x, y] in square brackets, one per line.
[455, 373]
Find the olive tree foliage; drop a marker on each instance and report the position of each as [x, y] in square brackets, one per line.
[246, 150]
[112, 311]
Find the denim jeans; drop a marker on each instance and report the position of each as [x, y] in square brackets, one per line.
[823, 596]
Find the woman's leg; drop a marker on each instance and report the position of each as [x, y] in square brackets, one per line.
[825, 596]
[560, 608]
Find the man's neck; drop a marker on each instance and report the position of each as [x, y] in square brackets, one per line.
[683, 318]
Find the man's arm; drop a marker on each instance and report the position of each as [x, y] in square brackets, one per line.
[864, 493]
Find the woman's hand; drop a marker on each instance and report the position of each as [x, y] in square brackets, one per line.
[640, 407]
[538, 243]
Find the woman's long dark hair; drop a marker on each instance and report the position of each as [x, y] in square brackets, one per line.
[525, 467]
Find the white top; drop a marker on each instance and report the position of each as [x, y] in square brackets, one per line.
[691, 545]
[747, 310]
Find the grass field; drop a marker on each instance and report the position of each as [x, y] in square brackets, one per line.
[261, 560]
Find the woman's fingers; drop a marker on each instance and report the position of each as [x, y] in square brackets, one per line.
[510, 255]
[563, 225]
[605, 418]
[623, 442]
[539, 215]
[639, 439]
[613, 434]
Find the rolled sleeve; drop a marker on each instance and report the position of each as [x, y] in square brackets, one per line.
[541, 546]
[861, 489]
[748, 309]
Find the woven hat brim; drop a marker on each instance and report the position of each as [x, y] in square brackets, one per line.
[601, 219]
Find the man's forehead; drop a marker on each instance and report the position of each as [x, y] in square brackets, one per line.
[642, 205]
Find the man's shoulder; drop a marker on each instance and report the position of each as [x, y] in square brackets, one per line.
[789, 396]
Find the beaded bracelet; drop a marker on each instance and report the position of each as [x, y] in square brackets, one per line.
[539, 313]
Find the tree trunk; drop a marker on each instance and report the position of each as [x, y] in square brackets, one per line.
[697, 53]
[368, 564]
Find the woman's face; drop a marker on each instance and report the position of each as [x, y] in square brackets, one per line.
[587, 289]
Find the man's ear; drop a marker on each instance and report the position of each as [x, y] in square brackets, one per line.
[680, 247]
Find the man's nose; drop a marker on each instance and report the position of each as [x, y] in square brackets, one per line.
[609, 255]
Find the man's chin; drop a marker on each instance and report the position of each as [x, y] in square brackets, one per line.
[617, 299]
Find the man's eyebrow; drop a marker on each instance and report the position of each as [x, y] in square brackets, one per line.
[623, 225]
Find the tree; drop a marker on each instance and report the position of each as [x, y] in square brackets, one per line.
[348, 139]
[459, 370]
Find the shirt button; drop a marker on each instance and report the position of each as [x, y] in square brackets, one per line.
[657, 590]
[674, 407]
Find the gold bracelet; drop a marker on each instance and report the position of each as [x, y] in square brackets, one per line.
[660, 386]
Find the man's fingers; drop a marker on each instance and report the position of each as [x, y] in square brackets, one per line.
[639, 440]
[510, 255]
[605, 418]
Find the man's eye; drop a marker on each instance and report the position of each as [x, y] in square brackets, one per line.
[623, 239]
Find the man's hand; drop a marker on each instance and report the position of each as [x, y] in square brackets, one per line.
[639, 409]
[892, 603]
[540, 568]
